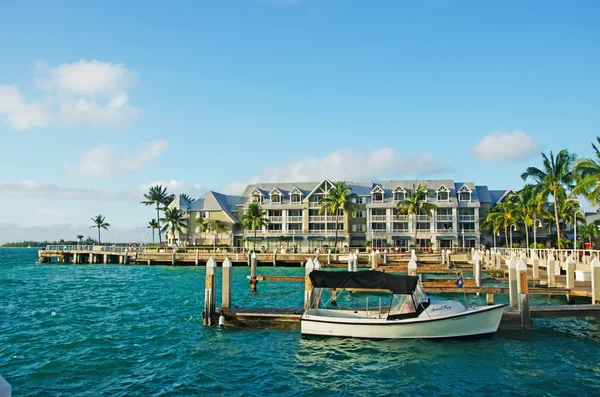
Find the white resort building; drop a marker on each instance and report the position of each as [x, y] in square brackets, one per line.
[292, 211]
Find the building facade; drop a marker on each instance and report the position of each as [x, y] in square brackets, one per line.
[294, 221]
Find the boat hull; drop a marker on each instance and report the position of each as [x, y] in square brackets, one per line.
[470, 323]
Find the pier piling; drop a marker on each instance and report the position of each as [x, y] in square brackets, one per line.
[308, 267]
[550, 271]
[595, 264]
[513, 283]
[226, 287]
[570, 272]
[253, 280]
[209, 292]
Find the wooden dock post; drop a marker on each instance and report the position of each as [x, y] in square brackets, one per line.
[174, 257]
[373, 260]
[535, 272]
[448, 257]
[329, 256]
[105, 259]
[489, 299]
[513, 282]
[498, 260]
[308, 267]
[551, 263]
[385, 256]
[209, 291]
[253, 280]
[570, 272]
[126, 256]
[350, 263]
[197, 259]
[595, 264]
[355, 262]
[226, 287]
[412, 267]
[443, 257]
[523, 288]
[275, 258]
[477, 269]
[75, 258]
[525, 312]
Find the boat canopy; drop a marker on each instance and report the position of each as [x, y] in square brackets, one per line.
[398, 284]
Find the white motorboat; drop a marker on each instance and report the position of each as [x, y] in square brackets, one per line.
[411, 314]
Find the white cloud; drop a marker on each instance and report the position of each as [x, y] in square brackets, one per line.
[506, 146]
[103, 161]
[37, 189]
[348, 165]
[195, 190]
[81, 93]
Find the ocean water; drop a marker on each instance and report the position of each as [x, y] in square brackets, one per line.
[93, 330]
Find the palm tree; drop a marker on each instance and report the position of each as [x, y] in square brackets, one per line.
[157, 195]
[254, 219]
[202, 225]
[80, 240]
[175, 221]
[555, 179]
[503, 216]
[339, 197]
[588, 176]
[588, 231]
[415, 205]
[153, 224]
[188, 198]
[528, 203]
[99, 223]
[219, 227]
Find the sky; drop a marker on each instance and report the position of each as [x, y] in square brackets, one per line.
[100, 100]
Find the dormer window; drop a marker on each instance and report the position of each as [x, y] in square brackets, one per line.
[275, 196]
[276, 199]
[464, 194]
[377, 195]
[443, 194]
[296, 198]
[399, 194]
[257, 198]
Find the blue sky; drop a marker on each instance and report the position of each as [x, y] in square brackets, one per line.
[98, 100]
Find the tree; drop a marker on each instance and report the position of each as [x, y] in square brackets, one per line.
[175, 221]
[528, 203]
[588, 176]
[188, 198]
[415, 205]
[100, 223]
[219, 227]
[554, 179]
[501, 217]
[157, 195]
[588, 231]
[254, 219]
[80, 240]
[339, 197]
[153, 224]
[202, 225]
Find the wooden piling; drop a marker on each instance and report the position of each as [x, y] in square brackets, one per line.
[570, 272]
[373, 260]
[105, 259]
[385, 257]
[535, 272]
[489, 299]
[275, 258]
[551, 263]
[412, 267]
[197, 259]
[525, 312]
[174, 257]
[595, 265]
[444, 257]
[329, 256]
[226, 287]
[253, 280]
[513, 283]
[308, 267]
[209, 292]
[523, 287]
[126, 256]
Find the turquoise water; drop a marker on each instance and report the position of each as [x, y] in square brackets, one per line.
[115, 330]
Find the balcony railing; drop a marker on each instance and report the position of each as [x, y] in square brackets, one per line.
[467, 231]
[378, 231]
[445, 231]
[294, 219]
[274, 219]
[400, 218]
[467, 218]
[375, 218]
[313, 204]
[324, 232]
[399, 230]
[444, 218]
[423, 218]
[317, 218]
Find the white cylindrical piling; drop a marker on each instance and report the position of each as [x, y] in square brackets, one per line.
[329, 256]
[535, 266]
[385, 257]
[275, 257]
[551, 264]
[197, 259]
[522, 276]
[444, 257]
[477, 268]
[125, 257]
[412, 267]
[350, 263]
[595, 265]
[226, 287]
[308, 267]
[373, 260]
[355, 262]
[253, 280]
[513, 283]
[174, 257]
[209, 291]
[570, 272]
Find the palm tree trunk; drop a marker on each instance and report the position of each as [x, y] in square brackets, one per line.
[526, 236]
[556, 218]
[254, 242]
[416, 232]
[337, 216]
[505, 237]
[99, 243]
[152, 236]
[158, 223]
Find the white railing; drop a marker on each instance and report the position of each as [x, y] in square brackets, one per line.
[375, 218]
[110, 248]
[400, 218]
[467, 231]
[399, 230]
[325, 232]
[275, 218]
[378, 231]
[292, 219]
[446, 218]
[467, 218]
[313, 204]
[445, 231]
[317, 218]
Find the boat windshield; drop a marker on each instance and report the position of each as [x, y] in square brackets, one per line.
[420, 296]
[401, 304]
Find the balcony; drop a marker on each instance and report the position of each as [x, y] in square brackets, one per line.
[325, 232]
[294, 219]
[375, 218]
[423, 218]
[400, 218]
[400, 230]
[467, 218]
[275, 219]
[318, 219]
[442, 231]
[378, 231]
[467, 231]
[313, 204]
[444, 218]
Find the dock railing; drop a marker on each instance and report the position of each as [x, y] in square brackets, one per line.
[100, 248]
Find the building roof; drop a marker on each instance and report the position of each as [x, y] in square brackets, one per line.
[213, 201]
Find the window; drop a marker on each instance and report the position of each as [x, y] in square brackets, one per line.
[442, 196]
[464, 196]
[296, 198]
[201, 215]
[276, 199]
[359, 214]
[257, 198]
[399, 196]
[359, 200]
[359, 228]
[377, 197]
